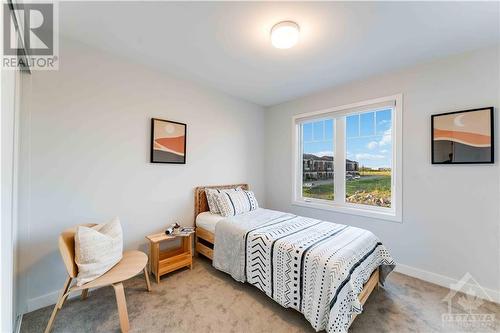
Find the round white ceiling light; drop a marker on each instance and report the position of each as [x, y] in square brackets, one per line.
[285, 34]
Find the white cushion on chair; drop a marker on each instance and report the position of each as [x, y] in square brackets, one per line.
[97, 250]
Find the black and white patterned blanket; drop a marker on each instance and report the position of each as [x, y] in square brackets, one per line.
[318, 268]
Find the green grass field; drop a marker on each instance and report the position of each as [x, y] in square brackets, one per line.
[323, 191]
[379, 183]
[379, 186]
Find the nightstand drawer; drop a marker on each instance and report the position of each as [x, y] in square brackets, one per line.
[171, 264]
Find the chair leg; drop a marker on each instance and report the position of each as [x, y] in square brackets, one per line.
[62, 300]
[122, 307]
[146, 276]
[85, 294]
[59, 304]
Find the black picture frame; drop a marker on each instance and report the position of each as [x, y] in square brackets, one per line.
[492, 137]
[156, 159]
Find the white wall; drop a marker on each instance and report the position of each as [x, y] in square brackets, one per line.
[10, 93]
[451, 222]
[86, 154]
[8, 80]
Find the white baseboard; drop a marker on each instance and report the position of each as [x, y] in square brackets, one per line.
[46, 300]
[448, 282]
[441, 280]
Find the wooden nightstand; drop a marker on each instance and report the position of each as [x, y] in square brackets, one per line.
[163, 262]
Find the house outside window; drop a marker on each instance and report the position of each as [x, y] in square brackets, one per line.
[348, 158]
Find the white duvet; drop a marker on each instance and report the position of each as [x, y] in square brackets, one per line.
[316, 267]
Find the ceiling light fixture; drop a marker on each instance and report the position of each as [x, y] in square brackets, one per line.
[285, 34]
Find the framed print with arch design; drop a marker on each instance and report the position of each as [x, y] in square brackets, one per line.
[463, 137]
[168, 141]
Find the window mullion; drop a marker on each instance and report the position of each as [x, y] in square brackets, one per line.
[300, 166]
[339, 160]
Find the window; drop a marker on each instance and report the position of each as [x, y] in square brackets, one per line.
[348, 158]
[317, 159]
[369, 158]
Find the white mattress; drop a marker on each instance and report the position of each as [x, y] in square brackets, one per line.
[207, 221]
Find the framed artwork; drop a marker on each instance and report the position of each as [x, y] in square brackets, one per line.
[168, 141]
[463, 137]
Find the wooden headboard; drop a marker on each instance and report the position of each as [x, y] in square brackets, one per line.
[200, 198]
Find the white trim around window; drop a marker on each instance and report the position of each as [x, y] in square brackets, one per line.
[339, 204]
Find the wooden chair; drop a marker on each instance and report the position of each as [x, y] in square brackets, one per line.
[132, 263]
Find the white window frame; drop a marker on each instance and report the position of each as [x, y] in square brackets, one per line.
[394, 213]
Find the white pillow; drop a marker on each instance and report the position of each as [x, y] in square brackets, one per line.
[212, 197]
[97, 250]
[237, 202]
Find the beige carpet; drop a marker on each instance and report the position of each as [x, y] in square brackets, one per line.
[205, 300]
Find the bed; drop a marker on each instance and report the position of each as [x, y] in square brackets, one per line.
[324, 270]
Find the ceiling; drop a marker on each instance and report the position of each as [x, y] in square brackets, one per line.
[226, 45]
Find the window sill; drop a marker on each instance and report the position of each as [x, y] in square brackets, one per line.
[358, 210]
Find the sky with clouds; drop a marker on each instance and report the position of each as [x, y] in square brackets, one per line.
[368, 138]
